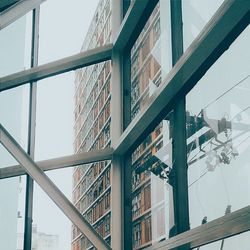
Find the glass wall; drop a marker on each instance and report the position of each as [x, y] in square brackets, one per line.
[218, 126]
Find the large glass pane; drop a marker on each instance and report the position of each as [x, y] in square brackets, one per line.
[152, 195]
[151, 57]
[74, 118]
[14, 56]
[51, 229]
[195, 15]
[218, 129]
[62, 32]
[14, 117]
[15, 46]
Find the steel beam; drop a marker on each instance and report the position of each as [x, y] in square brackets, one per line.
[228, 22]
[226, 226]
[17, 10]
[133, 22]
[51, 189]
[80, 60]
[62, 162]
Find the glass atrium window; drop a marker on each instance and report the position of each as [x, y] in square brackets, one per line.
[145, 178]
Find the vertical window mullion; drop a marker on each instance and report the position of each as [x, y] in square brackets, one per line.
[116, 131]
[31, 132]
[179, 171]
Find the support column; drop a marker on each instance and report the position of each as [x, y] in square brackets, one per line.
[179, 176]
[116, 131]
[127, 171]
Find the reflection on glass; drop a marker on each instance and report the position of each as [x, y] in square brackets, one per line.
[152, 197]
[92, 197]
[150, 57]
[238, 242]
[218, 131]
[195, 15]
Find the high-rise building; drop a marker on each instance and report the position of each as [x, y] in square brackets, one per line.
[92, 184]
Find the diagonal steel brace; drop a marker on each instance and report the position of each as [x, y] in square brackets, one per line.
[51, 190]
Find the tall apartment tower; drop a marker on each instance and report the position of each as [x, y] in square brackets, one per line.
[92, 183]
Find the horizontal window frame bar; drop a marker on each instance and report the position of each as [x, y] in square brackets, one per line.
[80, 60]
[16, 11]
[51, 189]
[190, 68]
[226, 226]
[61, 162]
